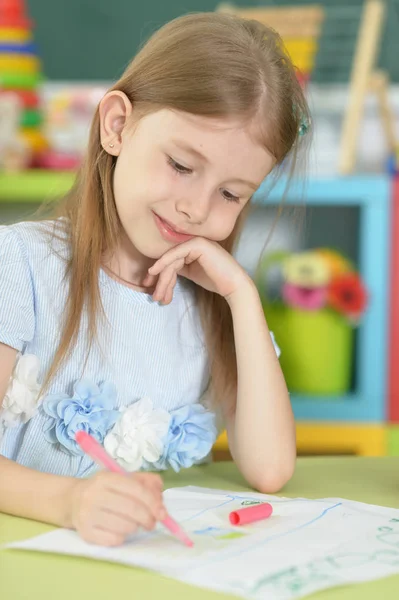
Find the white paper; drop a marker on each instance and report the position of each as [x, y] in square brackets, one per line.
[305, 546]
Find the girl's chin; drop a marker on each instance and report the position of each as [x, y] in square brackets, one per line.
[152, 250]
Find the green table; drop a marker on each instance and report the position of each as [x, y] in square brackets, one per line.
[34, 576]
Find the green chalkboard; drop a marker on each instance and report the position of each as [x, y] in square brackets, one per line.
[95, 39]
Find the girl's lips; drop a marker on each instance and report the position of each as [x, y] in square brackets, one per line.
[168, 233]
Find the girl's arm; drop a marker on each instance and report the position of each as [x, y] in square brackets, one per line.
[261, 430]
[24, 492]
[104, 509]
[34, 495]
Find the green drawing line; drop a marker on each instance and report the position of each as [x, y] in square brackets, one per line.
[267, 539]
[231, 536]
[325, 571]
[297, 579]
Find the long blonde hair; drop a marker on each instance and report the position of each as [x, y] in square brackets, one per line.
[208, 64]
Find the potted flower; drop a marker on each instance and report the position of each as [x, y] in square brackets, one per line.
[313, 301]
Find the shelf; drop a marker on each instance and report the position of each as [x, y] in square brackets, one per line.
[34, 185]
[321, 438]
[356, 190]
[372, 195]
[38, 185]
[361, 406]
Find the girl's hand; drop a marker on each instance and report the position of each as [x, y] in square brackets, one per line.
[204, 262]
[109, 507]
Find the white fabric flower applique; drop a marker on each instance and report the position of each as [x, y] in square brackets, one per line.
[20, 402]
[137, 438]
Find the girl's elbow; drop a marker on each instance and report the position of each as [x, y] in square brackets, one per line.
[271, 481]
[270, 485]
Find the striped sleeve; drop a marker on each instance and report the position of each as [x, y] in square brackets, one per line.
[276, 346]
[17, 312]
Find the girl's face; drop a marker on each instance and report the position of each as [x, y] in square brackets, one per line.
[179, 175]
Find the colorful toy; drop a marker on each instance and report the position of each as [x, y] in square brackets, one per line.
[68, 114]
[14, 152]
[299, 26]
[312, 301]
[20, 74]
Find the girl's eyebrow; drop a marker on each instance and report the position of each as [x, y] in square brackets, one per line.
[250, 184]
[187, 148]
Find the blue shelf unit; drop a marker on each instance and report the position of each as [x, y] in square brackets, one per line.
[372, 196]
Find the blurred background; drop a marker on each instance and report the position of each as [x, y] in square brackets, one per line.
[324, 254]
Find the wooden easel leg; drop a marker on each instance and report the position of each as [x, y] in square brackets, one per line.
[363, 64]
[379, 85]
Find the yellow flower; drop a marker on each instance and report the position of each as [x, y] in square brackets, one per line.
[307, 269]
[337, 264]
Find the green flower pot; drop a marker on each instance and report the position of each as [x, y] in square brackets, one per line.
[316, 349]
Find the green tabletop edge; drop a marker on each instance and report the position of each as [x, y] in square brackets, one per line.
[34, 185]
[372, 480]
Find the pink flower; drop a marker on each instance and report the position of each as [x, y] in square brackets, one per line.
[303, 297]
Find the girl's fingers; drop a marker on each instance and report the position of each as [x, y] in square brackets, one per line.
[112, 520]
[151, 480]
[165, 279]
[185, 253]
[163, 263]
[163, 283]
[117, 524]
[134, 490]
[102, 537]
[168, 297]
[149, 280]
[120, 505]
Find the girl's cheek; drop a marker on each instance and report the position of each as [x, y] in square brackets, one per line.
[220, 227]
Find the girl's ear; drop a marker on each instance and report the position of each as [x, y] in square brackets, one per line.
[115, 109]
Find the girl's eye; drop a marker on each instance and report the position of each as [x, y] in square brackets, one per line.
[229, 196]
[178, 167]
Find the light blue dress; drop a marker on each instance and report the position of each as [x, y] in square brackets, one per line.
[144, 350]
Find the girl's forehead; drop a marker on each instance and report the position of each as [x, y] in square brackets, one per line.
[202, 129]
[220, 140]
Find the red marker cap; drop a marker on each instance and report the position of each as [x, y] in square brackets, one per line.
[251, 514]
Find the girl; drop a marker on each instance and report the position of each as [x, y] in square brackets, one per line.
[127, 315]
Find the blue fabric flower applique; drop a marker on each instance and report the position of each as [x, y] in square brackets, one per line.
[90, 409]
[191, 435]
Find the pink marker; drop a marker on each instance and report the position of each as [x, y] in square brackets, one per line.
[93, 449]
[250, 514]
